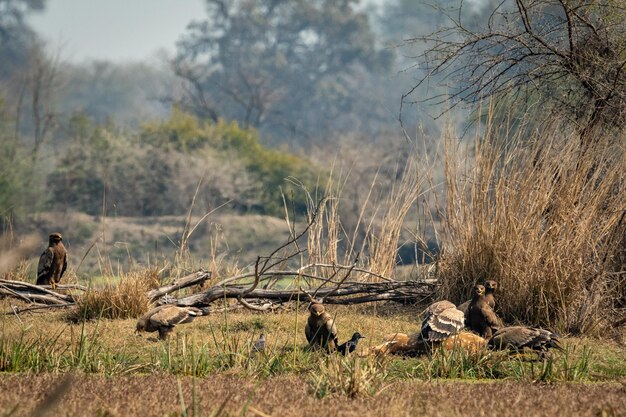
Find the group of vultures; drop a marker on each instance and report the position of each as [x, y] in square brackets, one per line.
[473, 325]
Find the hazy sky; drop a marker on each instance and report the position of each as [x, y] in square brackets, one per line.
[115, 29]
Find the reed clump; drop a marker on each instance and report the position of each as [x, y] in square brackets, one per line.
[544, 216]
[122, 298]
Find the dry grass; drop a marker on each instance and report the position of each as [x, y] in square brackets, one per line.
[545, 218]
[119, 298]
[158, 395]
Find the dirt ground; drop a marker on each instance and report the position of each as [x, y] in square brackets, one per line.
[158, 395]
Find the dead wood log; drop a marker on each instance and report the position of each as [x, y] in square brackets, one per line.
[348, 293]
[196, 278]
[31, 293]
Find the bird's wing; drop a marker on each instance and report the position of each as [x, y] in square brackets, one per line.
[437, 308]
[169, 316]
[490, 316]
[45, 262]
[440, 326]
[515, 336]
[464, 307]
[331, 328]
[308, 332]
[64, 264]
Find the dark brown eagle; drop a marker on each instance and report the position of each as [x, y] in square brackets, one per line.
[52, 262]
[481, 317]
[320, 329]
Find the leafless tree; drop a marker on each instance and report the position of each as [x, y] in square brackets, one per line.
[569, 55]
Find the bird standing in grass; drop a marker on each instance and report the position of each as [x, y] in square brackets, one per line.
[520, 337]
[52, 262]
[320, 329]
[482, 319]
[259, 345]
[164, 318]
[350, 345]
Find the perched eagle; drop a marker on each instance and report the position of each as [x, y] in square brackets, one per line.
[164, 318]
[490, 289]
[52, 262]
[320, 329]
[481, 317]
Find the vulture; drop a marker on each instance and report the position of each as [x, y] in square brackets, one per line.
[520, 337]
[441, 320]
[350, 345]
[52, 262]
[164, 318]
[320, 329]
[481, 317]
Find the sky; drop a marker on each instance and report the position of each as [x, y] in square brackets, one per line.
[115, 30]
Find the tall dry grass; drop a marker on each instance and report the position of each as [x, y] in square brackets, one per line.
[372, 234]
[121, 298]
[546, 219]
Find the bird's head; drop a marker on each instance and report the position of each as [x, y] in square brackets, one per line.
[141, 325]
[262, 336]
[479, 289]
[356, 336]
[317, 309]
[491, 285]
[55, 238]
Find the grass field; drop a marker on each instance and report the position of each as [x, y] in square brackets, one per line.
[207, 368]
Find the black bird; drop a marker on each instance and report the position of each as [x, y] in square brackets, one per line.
[350, 345]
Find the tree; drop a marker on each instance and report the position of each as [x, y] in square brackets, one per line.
[16, 37]
[279, 65]
[564, 55]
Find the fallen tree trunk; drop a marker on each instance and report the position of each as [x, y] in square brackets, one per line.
[347, 293]
[196, 278]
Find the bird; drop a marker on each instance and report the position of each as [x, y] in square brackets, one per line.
[320, 329]
[490, 289]
[350, 345]
[519, 337]
[481, 317]
[52, 262]
[440, 321]
[164, 318]
[259, 345]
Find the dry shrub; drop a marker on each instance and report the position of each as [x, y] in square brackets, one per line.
[544, 217]
[125, 298]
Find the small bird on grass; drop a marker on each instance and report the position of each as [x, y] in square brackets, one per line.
[259, 345]
[320, 329]
[350, 345]
[164, 318]
[52, 262]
